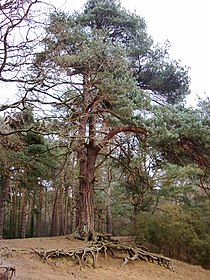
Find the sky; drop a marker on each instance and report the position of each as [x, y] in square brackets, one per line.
[185, 23]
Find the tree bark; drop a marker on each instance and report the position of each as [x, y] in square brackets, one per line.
[87, 153]
[54, 221]
[46, 218]
[14, 225]
[87, 159]
[108, 203]
[61, 203]
[32, 213]
[3, 197]
[73, 197]
[40, 206]
[23, 212]
[87, 156]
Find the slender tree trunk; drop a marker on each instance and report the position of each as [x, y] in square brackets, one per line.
[54, 221]
[14, 215]
[23, 213]
[66, 210]
[61, 204]
[40, 205]
[45, 211]
[135, 216]
[19, 199]
[32, 214]
[108, 203]
[73, 197]
[4, 193]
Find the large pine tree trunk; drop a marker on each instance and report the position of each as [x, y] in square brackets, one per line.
[3, 196]
[87, 152]
[87, 156]
[87, 159]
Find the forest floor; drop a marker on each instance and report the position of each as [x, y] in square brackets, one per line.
[29, 266]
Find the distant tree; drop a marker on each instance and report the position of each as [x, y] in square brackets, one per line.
[9, 146]
[178, 230]
[30, 160]
[182, 136]
[204, 112]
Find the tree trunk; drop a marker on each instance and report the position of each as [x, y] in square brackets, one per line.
[61, 203]
[87, 159]
[40, 206]
[87, 155]
[54, 221]
[14, 225]
[87, 152]
[4, 193]
[108, 203]
[32, 214]
[23, 213]
[73, 197]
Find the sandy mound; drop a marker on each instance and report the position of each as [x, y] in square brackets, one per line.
[29, 266]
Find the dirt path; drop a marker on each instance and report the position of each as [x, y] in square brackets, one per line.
[29, 266]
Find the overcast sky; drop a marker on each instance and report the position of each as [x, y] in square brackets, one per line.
[185, 23]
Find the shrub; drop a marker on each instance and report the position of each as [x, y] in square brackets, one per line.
[176, 232]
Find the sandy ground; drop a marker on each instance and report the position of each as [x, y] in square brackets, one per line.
[29, 266]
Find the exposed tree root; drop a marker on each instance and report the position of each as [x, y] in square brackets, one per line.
[89, 254]
[6, 272]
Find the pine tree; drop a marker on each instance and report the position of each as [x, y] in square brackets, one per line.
[100, 70]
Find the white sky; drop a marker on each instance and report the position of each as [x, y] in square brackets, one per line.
[185, 23]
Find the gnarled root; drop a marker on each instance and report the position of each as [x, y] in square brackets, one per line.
[89, 254]
[138, 253]
[7, 272]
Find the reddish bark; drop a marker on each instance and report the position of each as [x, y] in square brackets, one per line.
[123, 128]
[54, 221]
[108, 203]
[73, 197]
[23, 212]
[87, 159]
[40, 206]
[87, 156]
[87, 153]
